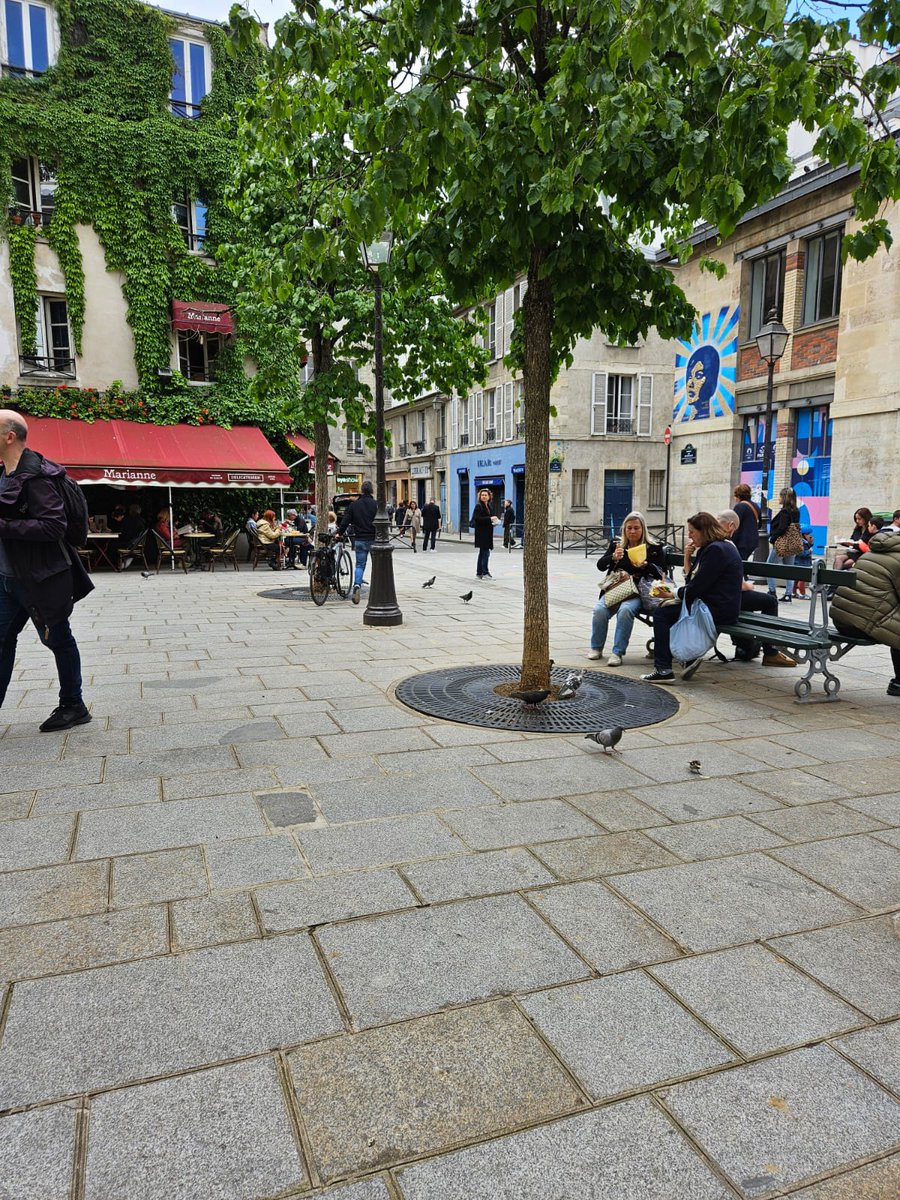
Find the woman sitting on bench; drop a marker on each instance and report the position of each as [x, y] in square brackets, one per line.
[845, 560]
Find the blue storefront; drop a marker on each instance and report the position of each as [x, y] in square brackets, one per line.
[499, 468]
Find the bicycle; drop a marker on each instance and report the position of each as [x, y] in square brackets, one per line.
[330, 567]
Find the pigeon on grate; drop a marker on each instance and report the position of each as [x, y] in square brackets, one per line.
[532, 699]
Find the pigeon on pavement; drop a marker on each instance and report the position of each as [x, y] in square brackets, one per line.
[531, 698]
[694, 766]
[429, 582]
[574, 680]
[146, 574]
[467, 597]
[607, 738]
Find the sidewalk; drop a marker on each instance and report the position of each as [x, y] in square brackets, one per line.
[266, 933]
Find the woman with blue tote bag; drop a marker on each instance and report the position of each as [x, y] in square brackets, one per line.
[714, 573]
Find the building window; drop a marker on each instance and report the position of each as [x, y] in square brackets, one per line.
[53, 345]
[28, 38]
[657, 492]
[34, 190]
[490, 416]
[490, 339]
[766, 289]
[520, 409]
[190, 217]
[191, 73]
[354, 442]
[822, 285]
[580, 489]
[619, 398]
[197, 354]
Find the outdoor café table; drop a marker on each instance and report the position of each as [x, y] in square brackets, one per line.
[194, 540]
[101, 544]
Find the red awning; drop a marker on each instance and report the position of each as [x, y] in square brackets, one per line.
[127, 453]
[305, 446]
[204, 318]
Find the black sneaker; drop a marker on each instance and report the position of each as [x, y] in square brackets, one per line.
[355, 596]
[692, 667]
[659, 677]
[894, 687]
[65, 717]
[785, 600]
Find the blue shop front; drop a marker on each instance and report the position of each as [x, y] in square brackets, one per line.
[501, 469]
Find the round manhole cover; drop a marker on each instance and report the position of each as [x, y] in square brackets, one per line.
[466, 694]
[298, 593]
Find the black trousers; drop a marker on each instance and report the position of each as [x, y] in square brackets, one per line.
[764, 602]
[426, 534]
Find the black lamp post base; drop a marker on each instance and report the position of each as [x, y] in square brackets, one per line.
[382, 608]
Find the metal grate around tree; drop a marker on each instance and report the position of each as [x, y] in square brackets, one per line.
[298, 593]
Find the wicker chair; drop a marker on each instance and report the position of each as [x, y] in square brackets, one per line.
[226, 553]
[267, 551]
[138, 549]
[86, 554]
[164, 550]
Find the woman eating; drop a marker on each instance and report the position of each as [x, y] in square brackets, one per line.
[642, 558]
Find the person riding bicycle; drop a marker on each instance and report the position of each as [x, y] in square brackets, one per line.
[360, 513]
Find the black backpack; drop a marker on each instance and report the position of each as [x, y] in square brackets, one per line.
[76, 508]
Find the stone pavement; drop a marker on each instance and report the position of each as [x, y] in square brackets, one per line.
[266, 933]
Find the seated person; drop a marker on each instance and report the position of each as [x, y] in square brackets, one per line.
[269, 533]
[252, 521]
[616, 557]
[845, 559]
[116, 519]
[746, 649]
[297, 546]
[165, 531]
[210, 522]
[874, 527]
[133, 527]
[872, 608]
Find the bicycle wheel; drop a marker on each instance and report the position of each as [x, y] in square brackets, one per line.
[318, 581]
[343, 581]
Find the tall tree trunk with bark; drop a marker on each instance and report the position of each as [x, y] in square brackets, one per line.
[323, 361]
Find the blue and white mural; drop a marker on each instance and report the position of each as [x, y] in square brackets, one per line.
[706, 368]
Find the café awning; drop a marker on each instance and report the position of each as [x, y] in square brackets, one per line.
[202, 317]
[305, 446]
[131, 454]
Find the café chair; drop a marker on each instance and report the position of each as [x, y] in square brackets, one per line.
[164, 550]
[267, 552]
[137, 549]
[226, 553]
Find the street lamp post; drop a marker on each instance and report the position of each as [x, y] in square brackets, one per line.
[770, 342]
[382, 608]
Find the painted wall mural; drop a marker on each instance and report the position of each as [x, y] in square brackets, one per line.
[706, 367]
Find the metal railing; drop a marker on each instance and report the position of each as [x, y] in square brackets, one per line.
[31, 364]
[594, 539]
[520, 429]
[464, 439]
[419, 447]
[403, 449]
[490, 435]
[440, 444]
[622, 426]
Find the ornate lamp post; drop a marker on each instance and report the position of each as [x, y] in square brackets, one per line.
[382, 608]
[770, 342]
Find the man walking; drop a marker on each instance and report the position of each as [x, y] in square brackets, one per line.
[360, 513]
[40, 577]
[431, 523]
[509, 520]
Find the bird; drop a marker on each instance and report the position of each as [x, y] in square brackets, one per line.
[146, 574]
[694, 766]
[607, 738]
[429, 582]
[574, 680]
[467, 597]
[531, 698]
[566, 693]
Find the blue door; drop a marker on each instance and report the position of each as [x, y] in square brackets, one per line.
[618, 497]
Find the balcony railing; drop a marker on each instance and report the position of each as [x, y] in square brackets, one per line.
[10, 71]
[56, 364]
[20, 214]
[621, 425]
[183, 108]
[464, 439]
[440, 443]
[419, 447]
[403, 449]
[520, 429]
[490, 435]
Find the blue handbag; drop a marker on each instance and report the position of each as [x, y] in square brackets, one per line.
[694, 633]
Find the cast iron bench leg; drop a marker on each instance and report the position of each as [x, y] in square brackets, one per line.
[817, 664]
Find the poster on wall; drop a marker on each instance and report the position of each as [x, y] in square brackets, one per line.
[706, 367]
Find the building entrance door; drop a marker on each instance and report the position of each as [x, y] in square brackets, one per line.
[618, 497]
[465, 509]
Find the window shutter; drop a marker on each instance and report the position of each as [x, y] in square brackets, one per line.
[598, 402]
[470, 420]
[479, 418]
[499, 326]
[645, 405]
[509, 322]
[508, 425]
[454, 423]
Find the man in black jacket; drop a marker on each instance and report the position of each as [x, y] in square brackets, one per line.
[360, 514]
[40, 576]
[431, 523]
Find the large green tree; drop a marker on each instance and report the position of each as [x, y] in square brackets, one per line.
[559, 137]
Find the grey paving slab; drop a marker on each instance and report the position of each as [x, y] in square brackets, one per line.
[378, 843]
[223, 1132]
[796, 787]
[120, 1024]
[624, 1152]
[480, 874]
[518, 824]
[811, 821]
[891, 836]
[37, 1151]
[251, 861]
[434, 760]
[375, 717]
[334, 898]
[35, 842]
[280, 752]
[15, 805]
[608, 854]
[563, 777]
[695, 799]
[28, 951]
[623, 1033]
[376, 741]
[670, 763]
[877, 1181]
[211, 920]
[883, 808]
[168, 763]
[164, 875]
[377, 1098]
[869, 775]
[864, 869]
[756, 1000]
[163, 826]
[94, 740]
[285, 808]
[876, 1051]
[721, 902]
[456, 952]
[366, 1189]
[849, 744]
[712, 839]
[194, 734]
[776, 1123]
[601, 927]
[219, 783]
[389, 795]
[618, 811]
[99, 795]
[48, 893]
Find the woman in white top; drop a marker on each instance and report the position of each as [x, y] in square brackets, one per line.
[413, 523]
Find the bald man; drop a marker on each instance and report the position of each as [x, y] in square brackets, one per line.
[41, 577]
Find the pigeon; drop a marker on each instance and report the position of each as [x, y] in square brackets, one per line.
[567, 693]
[694, 766]
[146, 574]
[531, 698]
[467, 597]
[607, 738]
[574, 680]
[429, 582]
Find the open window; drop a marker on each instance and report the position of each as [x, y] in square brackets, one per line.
[53, 353]
[34, 192]
[198, 351]
[29, 38]
[190, 217]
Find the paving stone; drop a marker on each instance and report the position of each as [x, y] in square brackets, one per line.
[161, 826]
[817, 821]
[891, 836]
[624, 1152]
[286, 808]
[712, 839]
[400, 739]
[756, 1000]
[434, 760]
[477, 875]
[377, 843]
[864, 870]
[869, 775]
[519, 824]
[211, 920]
[15, 805]
[47, 893]
[219, 783]
[373, 1099]
[168, 763]
[796, 787]
[882, 808]
[623, 1033]
[876, 1051]
[28, 951]
[608, 854]
[670, 764]
[93, 739]
[571, 776]
[202, 1136]
[280, 752]
[778, 1122]
[347, 720]
[37, 1150]
[697, 798]
[601, 927]
[165, 875]
[359, 799]
[721, 902]
[457, 952]
[618, 811]
[35, 842]
[99, 795]
[850, 744]
[320, 901]
[367, 1189]
[251, 861]
[877, 1181]
[121, 1024]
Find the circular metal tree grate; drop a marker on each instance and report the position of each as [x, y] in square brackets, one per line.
[297, 593]
[466, 694]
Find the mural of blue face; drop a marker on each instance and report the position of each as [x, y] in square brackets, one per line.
[701, 379]
[706, 367]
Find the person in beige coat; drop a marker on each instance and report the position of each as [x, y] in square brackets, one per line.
[413, 523]
[873, 606]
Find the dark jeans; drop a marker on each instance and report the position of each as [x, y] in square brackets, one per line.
[509, 536]
[296, 551]
[361, 548]
[484, 557]
[895, 661]
[663, 620]
[426, 534]
[763, 602]
[59, 639]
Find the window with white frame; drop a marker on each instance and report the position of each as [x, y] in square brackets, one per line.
[420, 430]
[490, 337]
[520, 409]
[191, 75]
[53, 344]
[403, 443]
[621, 404]
[478, 432]
[29, 38]
[355, 442]
[580, 488]
[656, 493]
[509, 428]
[766, 289]
[190, 217]
[822, 280]
[490, 415]
[197, 354]
[34, 191]
[466, 403]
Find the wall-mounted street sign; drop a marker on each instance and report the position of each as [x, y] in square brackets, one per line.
[688, 455]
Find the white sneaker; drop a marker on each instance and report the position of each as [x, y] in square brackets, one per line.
[614, 660]
[595, 654]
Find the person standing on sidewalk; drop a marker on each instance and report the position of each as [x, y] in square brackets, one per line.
[509, 520]
[431, 524]
[484, 521]
[360, 513]
[40, 577]
[413, 523]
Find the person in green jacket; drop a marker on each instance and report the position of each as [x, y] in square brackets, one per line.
[873, 606]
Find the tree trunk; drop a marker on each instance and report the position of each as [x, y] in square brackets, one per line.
[323, 361]
[538, 318]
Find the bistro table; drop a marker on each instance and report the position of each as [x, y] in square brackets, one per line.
[195, 540]
[100, 545]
